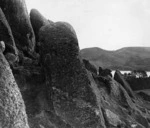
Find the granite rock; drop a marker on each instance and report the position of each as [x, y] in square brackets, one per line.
[73, 97]
[12, 108]
[37, 21]
[6, 34]
[19, 21]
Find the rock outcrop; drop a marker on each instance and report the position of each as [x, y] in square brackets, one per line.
[37, 21]
[119, 78]
[59, 89]
[104, 72]
[118, 107]
[89, 66]
[73, 98]
[19, 21]
[6, 34]
[12, 108]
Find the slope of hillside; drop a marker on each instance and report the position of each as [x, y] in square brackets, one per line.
[128, 58]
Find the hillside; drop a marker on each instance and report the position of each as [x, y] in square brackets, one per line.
[128, 58]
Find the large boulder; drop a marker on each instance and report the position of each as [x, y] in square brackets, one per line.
[19, 21]
[2, 46]
[37, 21]
[72, 94]
[119, 78]
[6, 35]
[12, 108]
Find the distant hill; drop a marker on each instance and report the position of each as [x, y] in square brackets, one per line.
[128, 58]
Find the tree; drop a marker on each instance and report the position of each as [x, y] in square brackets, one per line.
[139, 73]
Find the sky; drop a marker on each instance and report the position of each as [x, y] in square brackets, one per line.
[108, 24]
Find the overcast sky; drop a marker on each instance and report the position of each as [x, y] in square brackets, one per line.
[108, 24]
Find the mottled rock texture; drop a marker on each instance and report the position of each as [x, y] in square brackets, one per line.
[19, 21]
[6, 34]
[59, 89]
[68, 77]
[12, 108]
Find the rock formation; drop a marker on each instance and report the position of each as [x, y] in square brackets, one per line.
[6, 34]
[124, 112]
[12, 108]
[37, 21]
[59, 89]
[119, 78]
[89, 66]
[19, 21]
[68, 77]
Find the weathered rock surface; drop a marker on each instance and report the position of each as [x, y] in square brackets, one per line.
[6, 34]
[104, 72]
[73, 98]
[37, 21]
[89, 66]
[19, 21]
[67, 95]
[112, 118]
[2, 46]
[127, 112]
[12, 108]
[119, 78]
[66, 26]
[59, 89]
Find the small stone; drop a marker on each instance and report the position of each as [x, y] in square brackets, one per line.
[2, 46]
[6, 34]
[66, 72]
[112, 118]
[11, 58]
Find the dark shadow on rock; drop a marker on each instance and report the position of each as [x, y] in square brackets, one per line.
[19, 21]
[144, 96]
[119, 78]
[104, 72]
[6, 35]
